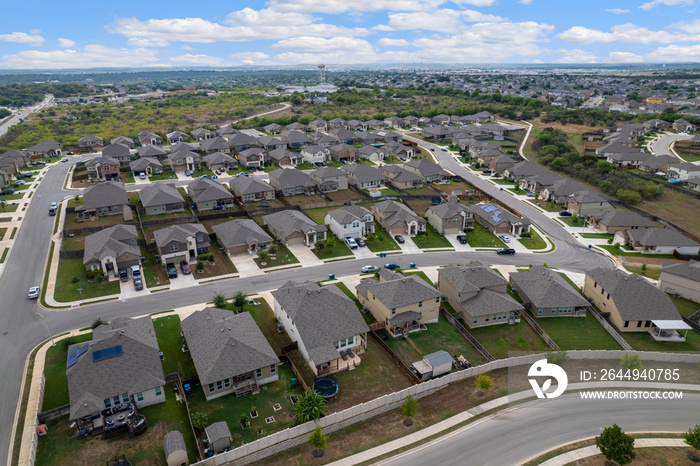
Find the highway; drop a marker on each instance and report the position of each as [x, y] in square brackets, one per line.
[13, 120]
[519, 433]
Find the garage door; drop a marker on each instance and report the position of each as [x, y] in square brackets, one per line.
[296, 238]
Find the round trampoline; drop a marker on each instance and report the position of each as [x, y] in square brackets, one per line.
[264, 203]
[326, 388]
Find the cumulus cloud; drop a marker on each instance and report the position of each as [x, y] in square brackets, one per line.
[387, 42]
[629, 33]
[618, 11]
[525, 2]
[91, 56]
[65, 43]
[473, 16]
[197, 59]
[187, 47]
[649, 5]
[438, 20]
[475, 2]
[337, 50]
[343, 6]
[250, 55]
[675, 53]
[624, 57]
[576, 56]
[34, 39]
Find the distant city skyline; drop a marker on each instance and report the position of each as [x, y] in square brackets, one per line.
[335, 32]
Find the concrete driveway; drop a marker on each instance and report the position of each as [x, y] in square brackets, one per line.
[182, 176]
[128, 290]
[452, 238]
[409, 247]
[182, 281]
[139, 181]
[246, 266]
[363, 253]
[306, 257]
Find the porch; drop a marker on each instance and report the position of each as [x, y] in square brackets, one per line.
[405, 323]
[669, 330]
[348, 360]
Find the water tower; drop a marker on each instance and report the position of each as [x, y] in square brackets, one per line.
[322, 73]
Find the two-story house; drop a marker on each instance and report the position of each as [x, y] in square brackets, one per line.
[252, 158]
[450, 218]
[250, 189]
[330, 179]
[181, 242]
[352, 220]
[207, 194]
[119, 152]
[429, 171]
[102, 168]
[398, 219]
[315, 154]
[363, 176]
[112, 249]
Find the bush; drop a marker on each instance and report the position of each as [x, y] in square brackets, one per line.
[220, 300]
[205, 257]
[97, 322]
[200, 421]
[94, 274]
[527, 234]
[200, 266]
[484, 382]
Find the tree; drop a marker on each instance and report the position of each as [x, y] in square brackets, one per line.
[484, 383]
[220, 300]
[631, 362]
[239, 299]
[263, 255]
[692, 438]
[628, 196]
[273, 249]
[244, 421]
[310, 407]
[317, 441]
[615, 445]
[409, 408]
[557, 357]
[97, 322]
[200, 420]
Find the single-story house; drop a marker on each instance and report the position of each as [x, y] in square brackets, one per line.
[250, 189]
[128, 142]
[401, 178]
[283, 157]
[112, 249]
[496, 219]
[148, 166]
[184, 241]
[176, 136]
[160, 198]
[658, 241]
[106, 198]
[293, 227]
[371, 153]
[220, 161]
[46, 149]
[617, 220]
[547, 294]
[153, 151]
[202, 134]
[289, 182]
[241, 235]
[268, 143]
[295, 139]
[241, 141]
[217, 144]
[147, 138]
[429, 171]
[207, 194]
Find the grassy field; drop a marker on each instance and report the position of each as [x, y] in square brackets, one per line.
[573, 221]
[56, 383]
[67, 291]
[501, 339]
[535, 241]
[431, 239]
[282, 257]
[479, 237]
[580, 333]
[674, 207]
[688, 152]
[168, 333]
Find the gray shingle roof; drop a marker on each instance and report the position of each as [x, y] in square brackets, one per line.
[179, 233]
[472, 277]
[224, 344]
[219, 157]
[488, 301]
[363, 173]
[660, 237]
[240, 231]
[546, 288]
[400, 291]
[116, 150]
[122, 140]
[217, 430]
[90, 138]
[348, 214]
[107, 193]
[620, 218]
[287, 222]
[690, 270]
[280, 153]
[495, 215]
[139, 165]
[113, 241]
[249, 185]
[396, 212]
[140, 329]
[173, 441]
[448, 209]
[102, 161]
[321, 315]
[291, 178]
[45, 146]
[217, 143]
[329, 172]
[426, 167]
[160, 193]
[182, 146]
[205, 189]
[150, 150]
[587, 197]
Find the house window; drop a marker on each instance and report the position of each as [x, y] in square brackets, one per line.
[647, 323]
[273, 368]
[258, 373]
[420, 303]
[608, 297]
[219, 385]
[159, 391]
[554, 310]
[227, 383]
[627, 323]
[199, 238]
[476, 319]
[456, 219]
[125, 398]
[437, 300]
[595, 284]
[173, 247]
[487, 318]
[540, 311]
[139, 396]
[108, 403]
[393, 311]
[639, 323]
[115, 400]
[211, 387]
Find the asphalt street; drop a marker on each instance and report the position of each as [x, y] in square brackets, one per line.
[517, 434]
[661, 146]
[5, 127]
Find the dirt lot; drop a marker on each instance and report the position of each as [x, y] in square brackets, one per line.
[344, 195]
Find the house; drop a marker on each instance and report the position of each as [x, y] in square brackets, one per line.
[401, 178]
[202, 134]
[20, 156]
[46, 149]
[403, 303]
[283, 157]
[326, 325]
[692, 183]
[253, 157]
[128, 142]
[363, 176]
[90, 143]
[268, 143]
[184, 160]
[478, 293]
[356, 125]
[432, 365]
[681, 278]
[695, 142]
[161, 198]
[241, 235]
[429, 171]
[410, 120]
[295, 139]
[119, 152]
[293, 227]
[398, 150]
[618, 220]
[9, 165]
[103, 168]
[561, 190]
[655, 124]
[147, 138]
[351, 220]
[175, 137]
[218, 436]
[322, 139]
[153, 151]
[658, 241]
[342, 153]
[338, 123]
[148, 166]
[106, 198]
[388, 136]
[344, 135]
[227, 132]
[318, 125]
[523, 169]
[585, 203]
[207, 194]
[217, 144]
[450, 218]
[634, 304]
[371, 153]
[398, 219]
[501, 163]
[181, 242]
[5, 178]
[241, 141]
[183, 146]
[497, 220]
[539, 183]
[127, 347]
[363, 137]
[273, 128]
[683, 171]
[220, 161]
[314, 154]
[547, 294]
[660, 163]
[683, 126]
[112, 249]
[330, 179]
[289, 182]
[296, 126]
[229, 352]
[250, 189]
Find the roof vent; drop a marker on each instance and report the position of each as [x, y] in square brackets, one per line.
[308, 291]
[222, 329]
[121, 331]
[229, 328]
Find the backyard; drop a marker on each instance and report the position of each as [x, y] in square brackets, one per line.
[283, 256]
[650, 272]
[685, 307]
[502, 339]
[72, 283]
[169, 335]
[303, 199]
[55, 380]
[431, 239]
[479, 237]
[318, 214]
[344, 195]
[578, 333]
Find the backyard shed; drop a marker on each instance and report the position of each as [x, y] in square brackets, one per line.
[432, 365]
[218, 436]
[175, 449]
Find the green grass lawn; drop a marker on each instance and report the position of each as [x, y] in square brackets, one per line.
[642, 341]
[621, 252]
[392, 161]
[265, 318]
[407, 272]
[384, 192]
[56, 383]
[503, 181]
[431, 239]
[164, 175]
[318, 214]
[380, 240]
[73, 243]
[535, 241]
[168, 333]
[128, 177]
[12, 197]
[2, 233]
[282, 257]
[548, 206]
[651, 272]
[66, 291]
[203, 170]
[516, 190]
[597, 235]
[365, 161]
[573, 221]
[153, 271]
[685, 307]
[579, 333]
[333, 247]
[8, 208]
[500, 339]
[479, 237]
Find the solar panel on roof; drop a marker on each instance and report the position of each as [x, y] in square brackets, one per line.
[82, 349]
[72, 357]
[107, 353]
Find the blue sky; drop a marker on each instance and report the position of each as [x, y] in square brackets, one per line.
[79, 34]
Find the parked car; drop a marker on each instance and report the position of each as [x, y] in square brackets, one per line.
[142, 175]
[241, 174]
[172, 271]
[320, 164]
[205, 176]
[350, 242]
[53, 205]
[505, 251]
[392, 265]
[504, 238]
[33, 292]
[135, 271]
[399, 239]
[20, 182]
[462, 239]
[138, 284]
[565, 213]
[186, 270]
[71, 153]
[403, 159]
[64, 159]
[38, 163]
[486, 171]
[369, 269]
[444, 150]
[360, 242]
[123, 275]
[52, 211]
[27, 175]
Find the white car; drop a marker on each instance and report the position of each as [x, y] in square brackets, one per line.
[53, 205]
[369, 269]
[19, 182]
[504, 238]
[350, 241]
[142, 176]
[33, 292]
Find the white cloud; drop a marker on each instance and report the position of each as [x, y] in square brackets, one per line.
[576, 56]
[629, 33]
[387, 42]
[35, 40]
[649, 5]
[618, 11]
[187, 47]
[197, 59]
[624, 57]
[250, 55]
[343, 6]
[438, 20]
[675, 53]
[337, 50]
[475, 2]
[92, 56]
[691, 28]
[473, 16]
[525, 2]
[65, 43]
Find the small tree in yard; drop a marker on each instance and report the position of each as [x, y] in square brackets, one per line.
[263, 255]
[273, 249]
[615, 445]
[200, 266]
[309, 407]
[317, 441]
[631, 362]
[692, 438]
[409, 408]
[220, 300]
[97, 322]
[484, 383]
[244, 421]
[200, 420]
[239, 299]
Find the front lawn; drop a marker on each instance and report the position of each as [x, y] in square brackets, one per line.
[66, 289]
[332, 247]
[651, 272]
[573, 221]
[578, 333]
[597, 235]
[479, 237]
[535, 241]
[168, 333]
[380, 241]
[431, 239]
[153, 270]
[615, 251]
[283, 256]
[549, 206]
[222, 264]
[56, 383]
[500, 339]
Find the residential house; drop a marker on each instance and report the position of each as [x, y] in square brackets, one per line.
[683, 126]
[202, 134]
[695, 142]
[315, 154]
[561, 190]
[241, 235]
[398, 150]
[363, 176]
[388, 136]
[398, 219]
[318, 125]
[501, 163]
[681, 278]
[450, 218]
[322, 139]
[127, 347]
[296, 126]
[106, 198]
[329, 341]
[289, 182]
[90, 143]
[547, 294]
[692, 183]
[585, 203]
[338, 123]
[683, 171]
[295, 139]
[119, 152]
[658, 241]
[241, 141]
[250, 189]
[181, 242]
[660, 163]
[112, 249]
[269, 144]
[220, 161]
[147, 138]
[344, 135]
[523, 169]
[404, 304]
[293, 227]
[183, 147]
[539, 183]
[46, 149]
[401, 178]
[207, 194]
[283, 157]
[175, 137]
[148, 166]
[213, 145]
[394, 122]
[656, 124]
[229, 352]
[227, 132]
[410, 121]
[478, 294]
[102, 168]
[342, 153]
[330, 179]
[253, 157]
[441, 119]
[619, 220]
[496, 219]
[356, 125]
[363, 137]
[351, 220]
[9, 165]
[273, 128]
[153, 151]
[20, 156]
[184, 161]
[634, 304]
[429, 171]
[128, 142]
[161, 198]
[5, 178]
[371, 153]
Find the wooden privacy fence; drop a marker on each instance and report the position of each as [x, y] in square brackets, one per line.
[465, 333]
[407, 370]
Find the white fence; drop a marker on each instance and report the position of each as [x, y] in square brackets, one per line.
[289, 438]
[35, 436]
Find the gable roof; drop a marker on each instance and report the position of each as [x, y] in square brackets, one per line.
[348, 214]
[178, 233]
[291, 178]
[240, 231]
[219, 157]
[116, 150]
[621, 218]
[488, 301]
[363, 173]
[141, 164]
[690, 270]
[45, 146]
[660, 237]
[287, 222]
[426, 167]
[398, 291]
[160, 193]
[328, 172]
[101, 160]
[150, 150]
[217, 143]
[280, 153]
[113, 241]
[448, 209]
[472, 277]
[396, 212]
[249, 185]
[495, 215]
[204, 189]
[546, 288]
[106, 193]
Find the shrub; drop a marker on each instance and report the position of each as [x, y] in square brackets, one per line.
[615, 445]
[239, 299]
[200, 420]
[409, 406]
[220, 300]
[97, 322]
[309, 407]
[200, 266]
[94, 274]
[484, 382]
[318, 440]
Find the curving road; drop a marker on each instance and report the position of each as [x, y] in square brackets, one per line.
[517, 434]
[661, 145]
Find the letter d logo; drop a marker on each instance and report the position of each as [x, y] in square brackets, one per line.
[542, 368]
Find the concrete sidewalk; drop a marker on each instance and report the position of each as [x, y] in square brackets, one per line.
[587, 452]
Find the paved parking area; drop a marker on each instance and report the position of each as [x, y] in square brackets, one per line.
[409, 247]
[128, 290]
[306, 257]
[182, 281]
[245, 265]
[459, 247]
[139, 181]
[182, 176]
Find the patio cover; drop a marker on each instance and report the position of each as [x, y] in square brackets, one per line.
[671, 324]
